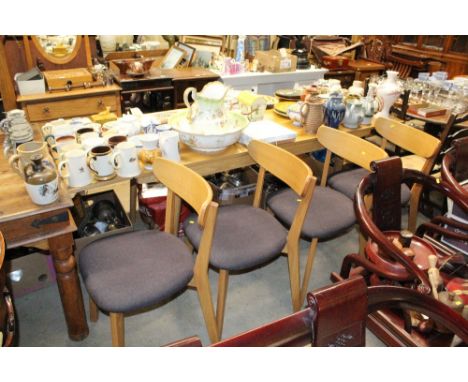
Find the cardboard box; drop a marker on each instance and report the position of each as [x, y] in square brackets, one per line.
[30, 82]
[275, 62]
[232, 194]
[61, 78]
[29, 273]
[83, 214]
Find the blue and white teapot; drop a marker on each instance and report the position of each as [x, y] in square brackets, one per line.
[334, 109]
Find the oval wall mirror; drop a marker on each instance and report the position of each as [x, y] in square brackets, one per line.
[59, 49]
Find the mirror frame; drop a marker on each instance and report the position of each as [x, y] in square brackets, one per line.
[57, 60]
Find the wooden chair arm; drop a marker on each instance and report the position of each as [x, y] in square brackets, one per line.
[404, 298]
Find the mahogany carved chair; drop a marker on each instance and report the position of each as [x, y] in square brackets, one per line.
[248, 236]
[384, 185]
[424, 149]
[7, 313]
[336, 316]
[134, 271]
[331, 212]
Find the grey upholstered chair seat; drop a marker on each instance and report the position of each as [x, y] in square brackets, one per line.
[244, 237]
[329, 214]
[128, 272]
[347, 183]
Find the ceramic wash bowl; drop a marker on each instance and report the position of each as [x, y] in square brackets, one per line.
[206, 139]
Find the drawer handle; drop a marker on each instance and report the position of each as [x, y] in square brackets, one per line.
[46, 109]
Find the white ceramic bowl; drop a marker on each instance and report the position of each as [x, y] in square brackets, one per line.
[209, 143]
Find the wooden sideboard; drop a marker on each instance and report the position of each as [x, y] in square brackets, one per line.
[364, 69]
[73, 103]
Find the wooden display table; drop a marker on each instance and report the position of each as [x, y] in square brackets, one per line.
[74, 103]
[22, 223]
[364, 69]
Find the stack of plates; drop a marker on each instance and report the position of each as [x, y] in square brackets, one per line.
[281, 108]
[289, 94]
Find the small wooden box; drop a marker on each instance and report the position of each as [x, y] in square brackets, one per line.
[274, 62]
[60, 78]
[335, 62]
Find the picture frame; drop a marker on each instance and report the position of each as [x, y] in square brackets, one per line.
[205, 47]
[172, 58]
[189, 54]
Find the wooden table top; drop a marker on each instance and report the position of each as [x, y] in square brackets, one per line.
[237, 155]
[15, 202]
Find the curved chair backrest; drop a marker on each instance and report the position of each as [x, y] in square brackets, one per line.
[186, 184]
[292, 171]
[348, 147]
[409, 138]
[282, 164]
[455, 165]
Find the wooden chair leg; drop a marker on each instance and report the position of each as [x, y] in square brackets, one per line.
[294, 277]
[362, 243]
[221, 303]
[206, 303]
[117, 329]
[93, 310]
[308, 268]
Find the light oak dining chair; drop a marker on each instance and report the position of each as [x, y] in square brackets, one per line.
[134, 271]
[424, 148]
[331, 212]
[246, 236]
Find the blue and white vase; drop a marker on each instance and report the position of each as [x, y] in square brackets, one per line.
[334, 110]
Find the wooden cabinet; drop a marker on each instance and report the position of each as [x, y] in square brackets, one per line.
[73, 103]
[450, 51]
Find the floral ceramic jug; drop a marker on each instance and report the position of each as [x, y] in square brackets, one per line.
[388, 92]
[354, 113]
[334, 110]
[208, 108]
[370, 104]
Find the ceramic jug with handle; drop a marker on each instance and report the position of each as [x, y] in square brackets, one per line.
[370, 104]
[334, 110]
[354, 113]
[207, 110]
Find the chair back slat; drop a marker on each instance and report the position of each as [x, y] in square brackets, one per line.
[407, 137]
[349, 147]
[282, 164]
[185, 183]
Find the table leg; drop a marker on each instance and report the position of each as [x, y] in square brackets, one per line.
[133, 199]
[61, 249]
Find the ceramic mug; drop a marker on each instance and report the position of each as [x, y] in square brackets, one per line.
[114, 140]
[169, 145]
[125, 160]
[149, 141]
[62, 150]
[78, 173]
[52, 132]
[100, 163]
[25, 152]
[43, 194]
[91, 142]
[85, 130]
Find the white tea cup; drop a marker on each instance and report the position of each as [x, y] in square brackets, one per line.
[169, 145]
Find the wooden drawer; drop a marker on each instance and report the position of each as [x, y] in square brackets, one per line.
[71, 107]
